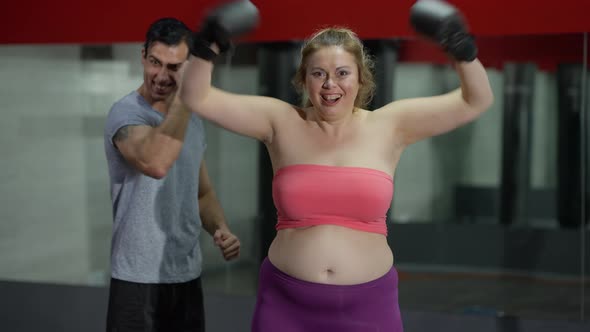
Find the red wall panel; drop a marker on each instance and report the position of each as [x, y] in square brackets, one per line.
[111, 21]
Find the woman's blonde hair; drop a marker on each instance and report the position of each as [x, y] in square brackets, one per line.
[349, 41]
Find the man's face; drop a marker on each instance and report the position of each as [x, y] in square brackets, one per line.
[162, 68]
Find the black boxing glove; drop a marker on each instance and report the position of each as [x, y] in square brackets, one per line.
[221, 25]
[443, 23]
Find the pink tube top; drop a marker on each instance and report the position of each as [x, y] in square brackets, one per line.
[353, 197]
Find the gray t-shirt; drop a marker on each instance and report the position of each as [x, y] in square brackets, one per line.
[156, 222]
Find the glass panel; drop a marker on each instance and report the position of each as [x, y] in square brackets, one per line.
[55, 216]
[585, 230]
[485, 219]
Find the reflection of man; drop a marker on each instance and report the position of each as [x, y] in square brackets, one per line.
[161, 195]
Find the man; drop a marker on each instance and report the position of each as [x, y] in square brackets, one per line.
[161, 195]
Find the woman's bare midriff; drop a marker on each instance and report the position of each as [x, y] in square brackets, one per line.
[331, 254]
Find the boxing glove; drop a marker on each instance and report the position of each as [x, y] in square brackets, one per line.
[223, 23]
[443, 23]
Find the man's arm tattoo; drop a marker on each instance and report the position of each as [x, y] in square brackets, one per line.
[122, 134]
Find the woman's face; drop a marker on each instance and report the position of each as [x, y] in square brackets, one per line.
[332, 80]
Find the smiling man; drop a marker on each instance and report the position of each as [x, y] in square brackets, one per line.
[162, 196]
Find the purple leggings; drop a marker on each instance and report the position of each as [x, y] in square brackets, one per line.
[287, 304]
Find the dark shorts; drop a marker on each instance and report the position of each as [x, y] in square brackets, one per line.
[287, 304]
[135, 307]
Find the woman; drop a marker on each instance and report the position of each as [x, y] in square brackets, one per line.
[329, 267]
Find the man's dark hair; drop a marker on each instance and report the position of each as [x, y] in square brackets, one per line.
[169, 31]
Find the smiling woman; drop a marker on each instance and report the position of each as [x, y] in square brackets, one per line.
[344, 44]
[333, 187]
[332, 81]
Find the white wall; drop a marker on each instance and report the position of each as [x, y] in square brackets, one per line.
[55, 214]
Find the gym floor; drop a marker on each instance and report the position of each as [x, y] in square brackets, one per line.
[525, 297]
[429, 302]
